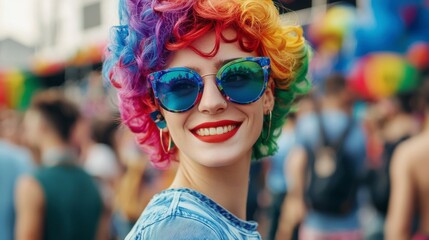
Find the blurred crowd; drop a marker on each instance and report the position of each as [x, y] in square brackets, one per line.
[68, 166]
[345, 168]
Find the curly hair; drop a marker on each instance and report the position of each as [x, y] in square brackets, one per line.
[150, 30]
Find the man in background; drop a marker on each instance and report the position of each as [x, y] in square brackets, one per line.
[410, 184]
[60, 200]
[332, 122]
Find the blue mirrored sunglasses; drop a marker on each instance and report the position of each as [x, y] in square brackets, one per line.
[241, 81]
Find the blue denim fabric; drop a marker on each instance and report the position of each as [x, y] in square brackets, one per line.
[186, 214]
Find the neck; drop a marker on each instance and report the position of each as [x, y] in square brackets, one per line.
[227, 186]
[52, 144]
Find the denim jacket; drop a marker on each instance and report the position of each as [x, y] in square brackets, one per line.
[179, 214]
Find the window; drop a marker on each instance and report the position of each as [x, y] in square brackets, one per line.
[294, 5]
[352, 2]
[92, 15]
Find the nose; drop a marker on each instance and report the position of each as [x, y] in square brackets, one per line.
[212, 100]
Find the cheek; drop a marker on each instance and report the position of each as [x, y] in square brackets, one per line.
[30, 132]
[255, 113]
[258, 124]
[175, 124]
[33, 127]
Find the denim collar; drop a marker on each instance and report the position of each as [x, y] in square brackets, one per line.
[235, 221]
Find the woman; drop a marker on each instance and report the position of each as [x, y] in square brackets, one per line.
[206, 83]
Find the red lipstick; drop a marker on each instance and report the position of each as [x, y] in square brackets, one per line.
[216, 138]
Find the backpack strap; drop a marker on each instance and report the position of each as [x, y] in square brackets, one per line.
[325, 141]
[339, 143]
[322, 131]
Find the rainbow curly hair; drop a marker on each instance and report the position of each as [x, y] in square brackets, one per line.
[150, 30]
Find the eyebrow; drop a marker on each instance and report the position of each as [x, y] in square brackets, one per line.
[218, 64]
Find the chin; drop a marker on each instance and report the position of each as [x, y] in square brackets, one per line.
[215, 158]
[217, 162]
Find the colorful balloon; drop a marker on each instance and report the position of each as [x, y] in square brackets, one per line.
[329, 29]
[383, 74]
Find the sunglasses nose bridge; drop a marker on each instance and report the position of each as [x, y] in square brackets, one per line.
[215, 79]
[212, 100]
[208, 74]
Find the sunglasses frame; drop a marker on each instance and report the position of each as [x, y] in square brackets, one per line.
[264, 62]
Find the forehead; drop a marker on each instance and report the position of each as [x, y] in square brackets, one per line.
[188, 58]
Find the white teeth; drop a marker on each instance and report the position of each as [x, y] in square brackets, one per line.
[219, 130]
[212, 131]
[215, 131]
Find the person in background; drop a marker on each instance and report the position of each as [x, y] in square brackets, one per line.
[254, 208]
[102, 158]
[101, 162]
[15, 161]
[276, 180]
[410, 184]
[139, 183]
[335, 117]
[293, 208]
[388, 122]
[60, 200]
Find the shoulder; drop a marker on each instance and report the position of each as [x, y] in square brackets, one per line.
[29, 192]
[173, 227]
[28, 184]
[410, 152]
[307, 119]
[169, 216]
[306, 126]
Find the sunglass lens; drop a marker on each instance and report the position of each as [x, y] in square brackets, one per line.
[177, 90]
[243, 82]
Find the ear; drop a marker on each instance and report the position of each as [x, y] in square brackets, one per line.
[268, 100]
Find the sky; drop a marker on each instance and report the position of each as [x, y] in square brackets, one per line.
[18, 20]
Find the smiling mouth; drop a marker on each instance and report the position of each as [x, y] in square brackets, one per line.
[216, 132]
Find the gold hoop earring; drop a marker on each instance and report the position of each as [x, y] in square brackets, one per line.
[162, 142]
[269, 126]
